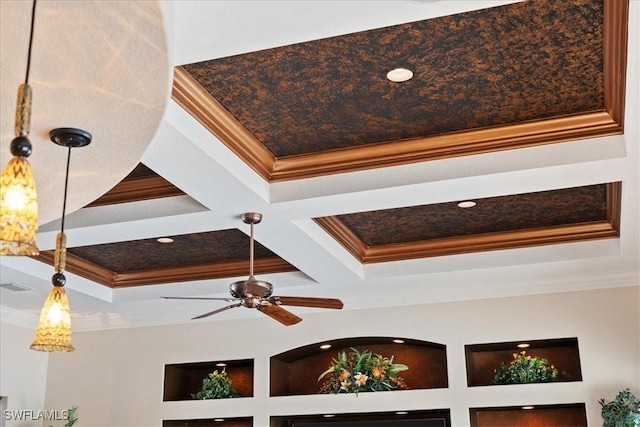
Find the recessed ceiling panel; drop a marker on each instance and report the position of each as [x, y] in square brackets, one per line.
[526, 61]
[545, 217]
[197, 256]
[490, 215]
[528, 73]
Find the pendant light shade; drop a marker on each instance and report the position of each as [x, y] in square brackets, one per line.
[18, 200]
[18, 209]
[54, 328]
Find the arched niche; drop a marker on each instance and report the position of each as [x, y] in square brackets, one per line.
[296, 371]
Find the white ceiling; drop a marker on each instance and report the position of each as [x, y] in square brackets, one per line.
[116, 85]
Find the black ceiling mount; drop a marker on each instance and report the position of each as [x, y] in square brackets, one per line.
[70, 137]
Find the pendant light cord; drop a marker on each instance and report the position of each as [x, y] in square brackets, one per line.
[66, 185]
[33, 20]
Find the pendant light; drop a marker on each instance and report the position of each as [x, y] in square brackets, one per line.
[54, 328]
[18, 199]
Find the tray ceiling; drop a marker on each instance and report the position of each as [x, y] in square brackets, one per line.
[529, 73]
[518, 108]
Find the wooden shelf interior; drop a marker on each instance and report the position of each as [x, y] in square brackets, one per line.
[569, 415]
[296, 371]
[483, 359]
[427, 418]
[210, 422]
[181, 380]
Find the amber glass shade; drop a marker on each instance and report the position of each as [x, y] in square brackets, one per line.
[18, 209]
[54, 328]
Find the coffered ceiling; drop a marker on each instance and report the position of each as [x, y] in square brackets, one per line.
[522, 108]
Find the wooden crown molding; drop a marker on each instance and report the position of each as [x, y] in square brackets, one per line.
[478, 243]
[616, 23]
[207, 110]
[111, 279]
[81, 267]
[204, 108]
[135, 190]
[614, 204]
[493, 241]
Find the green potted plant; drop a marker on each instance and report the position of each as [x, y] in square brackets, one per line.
[525, 369]
[623, 411]
[362, 371]
[72, 416]
[217, 385]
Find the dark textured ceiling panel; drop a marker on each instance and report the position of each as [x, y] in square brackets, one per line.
[191, 249]
[510, 64]
[506, 222]
[490, 215]
[198, 256]
[139, 172]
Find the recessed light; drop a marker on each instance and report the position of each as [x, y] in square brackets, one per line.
[221, 364]
[527, 407]
[523, 345]
[399, 75]
[398, 341]
[218, 420]
[467, 204]
[402, 412]
[164, 240]
[325, 346]
[328, 415]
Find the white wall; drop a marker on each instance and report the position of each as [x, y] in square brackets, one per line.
[116, 376]
[23, 373]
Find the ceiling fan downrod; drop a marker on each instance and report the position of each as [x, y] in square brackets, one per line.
[251, 218]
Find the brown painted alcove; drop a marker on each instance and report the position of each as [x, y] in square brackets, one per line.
[567, 415]
[426, 418]
[183, 379]
[210, 422]
[295, 372]
[483, 359]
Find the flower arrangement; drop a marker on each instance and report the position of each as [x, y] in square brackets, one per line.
[623, 411]
[362, 371]
[217, 385]
[525, 369]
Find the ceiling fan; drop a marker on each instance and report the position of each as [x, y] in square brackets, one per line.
[258, 294]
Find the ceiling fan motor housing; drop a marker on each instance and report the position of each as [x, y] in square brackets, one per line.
[256, 288]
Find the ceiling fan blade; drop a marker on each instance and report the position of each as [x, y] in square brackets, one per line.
[203, 298]
[220, 310]
[307, 302]
[278, 313]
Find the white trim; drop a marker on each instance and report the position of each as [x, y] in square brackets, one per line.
[18, 317]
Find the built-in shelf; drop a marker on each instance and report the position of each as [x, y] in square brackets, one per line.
[295, 372]
[210, 422]
[573, 415]
[183, 379]
[427, 418]
[483, 359]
